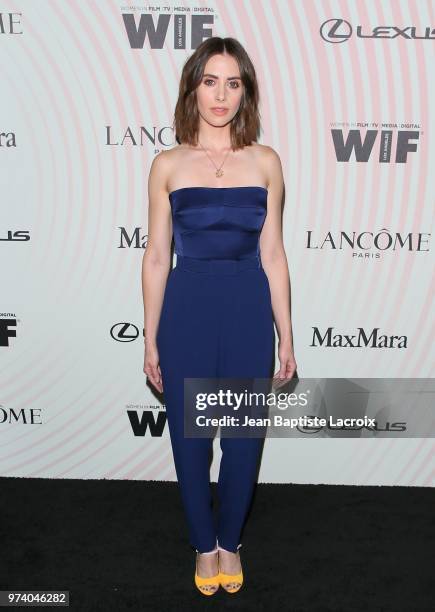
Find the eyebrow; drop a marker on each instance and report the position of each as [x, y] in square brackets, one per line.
[214, 76]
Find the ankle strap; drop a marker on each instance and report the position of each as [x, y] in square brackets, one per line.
[219, 548]
[211, 552]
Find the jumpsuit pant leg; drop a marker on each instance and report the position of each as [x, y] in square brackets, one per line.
[247, 348]
[214, 324]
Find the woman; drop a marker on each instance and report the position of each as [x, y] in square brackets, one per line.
[219, 194]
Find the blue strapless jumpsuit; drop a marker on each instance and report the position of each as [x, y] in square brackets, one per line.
[216, 321]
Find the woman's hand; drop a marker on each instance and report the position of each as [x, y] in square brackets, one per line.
[287, 362]
[151, 365]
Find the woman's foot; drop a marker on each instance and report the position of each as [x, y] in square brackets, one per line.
[230, 569]
[207, 567]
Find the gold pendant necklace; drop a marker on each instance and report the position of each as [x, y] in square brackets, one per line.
[219, 171]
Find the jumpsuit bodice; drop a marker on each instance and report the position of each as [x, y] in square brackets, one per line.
[218, 222]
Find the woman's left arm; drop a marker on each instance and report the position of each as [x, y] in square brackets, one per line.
[274, 261]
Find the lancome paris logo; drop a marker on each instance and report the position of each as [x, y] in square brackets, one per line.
[161, 137]
[393, 141]
[361, 339]
[367, 244]
[8, 323]
[167, 25]
[340, 30]
[22, 416]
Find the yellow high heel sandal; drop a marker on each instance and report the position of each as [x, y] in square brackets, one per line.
[207, 586]
[236, 580]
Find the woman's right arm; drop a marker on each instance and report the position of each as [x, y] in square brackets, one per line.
[156, 262]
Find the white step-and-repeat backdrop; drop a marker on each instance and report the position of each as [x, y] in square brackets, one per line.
[88, 91]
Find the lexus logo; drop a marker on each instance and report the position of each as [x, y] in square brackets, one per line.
[340, 30]
[124, 332]
[328, 30]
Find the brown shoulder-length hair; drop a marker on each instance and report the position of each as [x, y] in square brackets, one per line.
[245, 126]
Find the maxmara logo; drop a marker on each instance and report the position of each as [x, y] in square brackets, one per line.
[340, 30]
[133, 239]
[7, 140]
[178, 29]
[374, 339]
[367, 244]
[388, 137]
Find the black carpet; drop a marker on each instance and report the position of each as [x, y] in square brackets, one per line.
[123, 545]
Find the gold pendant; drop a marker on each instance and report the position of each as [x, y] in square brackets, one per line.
[219, 172]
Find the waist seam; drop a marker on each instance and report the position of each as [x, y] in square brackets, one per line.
[216, 266]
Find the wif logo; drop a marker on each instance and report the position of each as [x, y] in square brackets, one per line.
[10, 23]
[6, 325]
[157, 31]
[148, 421]
[363, 147]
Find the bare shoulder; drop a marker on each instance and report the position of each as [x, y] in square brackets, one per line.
[270, 162]
[161, 168]
[266, 154]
